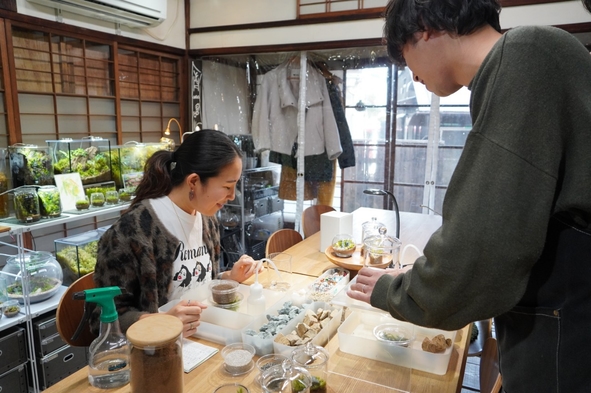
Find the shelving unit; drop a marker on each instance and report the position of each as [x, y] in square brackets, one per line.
[259, 209]
[28, 310]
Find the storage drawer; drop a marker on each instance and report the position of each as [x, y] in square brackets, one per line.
[261, 207]
[47, 338]
[275, 204]
[15, 380]
[13, 350]
[59, 364]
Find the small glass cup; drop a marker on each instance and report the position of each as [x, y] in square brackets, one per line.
[82, 203]
[97, 199]
[112, 197]
[277, 275]
[125, 195]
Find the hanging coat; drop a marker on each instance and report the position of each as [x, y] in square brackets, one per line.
[274, 124]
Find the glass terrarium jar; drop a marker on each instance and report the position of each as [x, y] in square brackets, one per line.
[49, 201]
[31, 165]
[129, 161]
[89, 156]
[4, 212]
[314, 359]
[381, 250]
[77, 254]
[26, 205]
[42, 271]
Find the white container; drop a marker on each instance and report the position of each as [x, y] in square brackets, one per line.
[356, 337]
[321, 338]
[332, 224]
[326, 286]
[264, 346]
[224, 326]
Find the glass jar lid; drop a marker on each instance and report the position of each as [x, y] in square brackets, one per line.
[32, 258]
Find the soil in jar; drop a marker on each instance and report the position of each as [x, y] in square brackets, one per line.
[221, 295]
[157, 370]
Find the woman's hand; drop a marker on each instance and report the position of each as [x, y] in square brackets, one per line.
[366, 281]
[189, 312]
[242, 269]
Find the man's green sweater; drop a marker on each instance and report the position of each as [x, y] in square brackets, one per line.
[527, 158]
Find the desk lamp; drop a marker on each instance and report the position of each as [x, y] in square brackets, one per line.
[168, 141]
[375, 191]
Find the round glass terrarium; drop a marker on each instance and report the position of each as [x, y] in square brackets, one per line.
[42, 272]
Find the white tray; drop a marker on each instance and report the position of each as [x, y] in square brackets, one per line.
[321, 338]
[356, 337]
[225, 326]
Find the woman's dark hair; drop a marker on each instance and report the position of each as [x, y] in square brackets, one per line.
[404, 18]
[204, 152]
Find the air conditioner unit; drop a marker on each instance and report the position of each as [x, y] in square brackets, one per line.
[134, 13]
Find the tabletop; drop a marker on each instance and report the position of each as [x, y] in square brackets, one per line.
[415, 229]
[347, 373]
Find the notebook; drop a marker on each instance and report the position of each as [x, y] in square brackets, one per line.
[195, 353]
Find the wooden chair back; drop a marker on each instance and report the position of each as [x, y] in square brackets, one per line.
[69, 313]
[311, 218]
[490, 377]
[281, 240]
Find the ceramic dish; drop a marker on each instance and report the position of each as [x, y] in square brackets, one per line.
[355, 262]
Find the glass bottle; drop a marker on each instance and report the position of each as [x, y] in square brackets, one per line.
[314, 359]
[26, 205]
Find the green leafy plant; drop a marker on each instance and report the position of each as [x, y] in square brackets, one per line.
[81, 260]
[50, 204]
[90, 163]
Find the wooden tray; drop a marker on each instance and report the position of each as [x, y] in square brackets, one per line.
[354, 262]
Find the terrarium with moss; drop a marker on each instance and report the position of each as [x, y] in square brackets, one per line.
[31, 165]
[77, 254]
[90, 157]
[130, 159]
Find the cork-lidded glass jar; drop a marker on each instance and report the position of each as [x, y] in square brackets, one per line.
[156, 354]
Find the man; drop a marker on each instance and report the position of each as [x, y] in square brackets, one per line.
[515, 241]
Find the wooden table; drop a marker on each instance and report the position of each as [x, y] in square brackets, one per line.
[415, 228]
[347, 373]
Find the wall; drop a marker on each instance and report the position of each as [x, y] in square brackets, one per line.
[231, 12]
[171, 32]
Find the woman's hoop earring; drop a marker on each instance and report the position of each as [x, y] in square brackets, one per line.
[191, 194]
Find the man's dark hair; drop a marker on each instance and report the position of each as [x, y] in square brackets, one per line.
[587, 4]
[404, 18]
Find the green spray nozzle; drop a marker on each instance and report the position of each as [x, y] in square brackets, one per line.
[104, 297]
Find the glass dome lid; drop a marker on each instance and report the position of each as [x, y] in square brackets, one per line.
[42, 272]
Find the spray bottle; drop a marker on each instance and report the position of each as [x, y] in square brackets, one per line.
[256, 299]
[108, 365]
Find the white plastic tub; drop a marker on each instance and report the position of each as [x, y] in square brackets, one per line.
[321, 338]
[356, 337]
[224, 326]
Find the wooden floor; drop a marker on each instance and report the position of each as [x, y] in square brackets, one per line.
[471, 381]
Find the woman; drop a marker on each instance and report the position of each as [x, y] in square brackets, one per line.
[167, 245]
